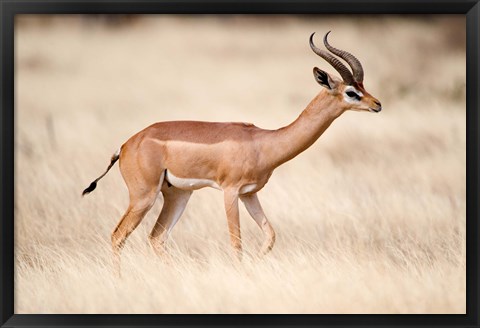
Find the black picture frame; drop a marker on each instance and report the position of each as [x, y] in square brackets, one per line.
[10, 8]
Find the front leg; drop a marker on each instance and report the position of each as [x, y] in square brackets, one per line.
[256, 212]
[233, 220]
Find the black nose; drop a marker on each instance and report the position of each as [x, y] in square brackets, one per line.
[378, 103]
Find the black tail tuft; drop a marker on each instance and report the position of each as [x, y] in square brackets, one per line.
[90, 188]
[93, 185]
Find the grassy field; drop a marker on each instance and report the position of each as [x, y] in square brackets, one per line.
[370, 219]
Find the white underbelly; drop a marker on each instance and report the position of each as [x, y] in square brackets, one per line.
[190, 183]
[247, 188]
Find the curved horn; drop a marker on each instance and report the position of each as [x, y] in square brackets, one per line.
[348, 57]
[337, 64]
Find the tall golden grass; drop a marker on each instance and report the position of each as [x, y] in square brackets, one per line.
[370, 219]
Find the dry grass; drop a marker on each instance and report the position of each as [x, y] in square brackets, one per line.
[370, 219]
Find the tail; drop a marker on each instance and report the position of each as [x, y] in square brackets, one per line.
[93, 185]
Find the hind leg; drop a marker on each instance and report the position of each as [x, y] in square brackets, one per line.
[141, 201]
[174, 202]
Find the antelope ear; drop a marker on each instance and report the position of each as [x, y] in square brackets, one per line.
[324, 79]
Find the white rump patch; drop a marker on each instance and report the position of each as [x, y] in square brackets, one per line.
[190, 183]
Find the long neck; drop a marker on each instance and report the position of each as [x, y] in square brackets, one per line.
[285, 143]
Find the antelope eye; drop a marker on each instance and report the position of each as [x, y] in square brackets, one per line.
[352, 94]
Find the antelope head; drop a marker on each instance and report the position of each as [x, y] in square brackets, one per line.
[349, 91]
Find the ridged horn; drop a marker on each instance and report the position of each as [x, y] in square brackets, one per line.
[337, 64]
[354, 63]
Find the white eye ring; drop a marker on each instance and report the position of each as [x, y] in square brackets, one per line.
[353, 95]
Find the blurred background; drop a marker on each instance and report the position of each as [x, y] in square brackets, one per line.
[370, 219]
